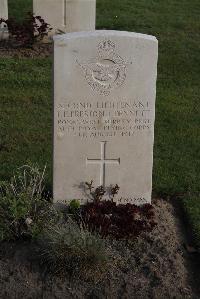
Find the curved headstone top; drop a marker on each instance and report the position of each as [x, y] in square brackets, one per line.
[102, 33]
[104, 111]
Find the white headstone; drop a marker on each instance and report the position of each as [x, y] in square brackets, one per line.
[4, 9]
[104, 109]
[67, 15]
[3, 15]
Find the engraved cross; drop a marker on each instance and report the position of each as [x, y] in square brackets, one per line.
[102, 162]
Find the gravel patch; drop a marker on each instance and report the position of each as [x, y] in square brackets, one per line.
[154, 266]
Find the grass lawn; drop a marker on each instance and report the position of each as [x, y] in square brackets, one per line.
[25, 99]
[19, 8]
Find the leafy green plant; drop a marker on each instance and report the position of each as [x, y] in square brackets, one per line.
[74, 206]
[24, 212]
[67, 247]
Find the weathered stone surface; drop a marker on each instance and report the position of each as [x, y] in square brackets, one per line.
[3, 15]
[104, 109]
[67, 15]
[4, 9]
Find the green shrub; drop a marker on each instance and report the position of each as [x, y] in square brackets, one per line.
[23, 210]
[74, 206]
[69, 248]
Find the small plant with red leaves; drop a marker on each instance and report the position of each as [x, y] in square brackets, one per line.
[24, 34]
[107, 218]
[118, 221]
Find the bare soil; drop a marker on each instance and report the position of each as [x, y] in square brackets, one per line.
[8, 50]
[154, 266]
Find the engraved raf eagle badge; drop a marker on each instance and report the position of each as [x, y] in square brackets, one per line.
[107, 71]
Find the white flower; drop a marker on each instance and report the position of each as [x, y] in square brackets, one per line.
[28, 221]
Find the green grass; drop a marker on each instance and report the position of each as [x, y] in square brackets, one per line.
[25, 100]
[19, 8]
[191, 206]
[25, 113]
